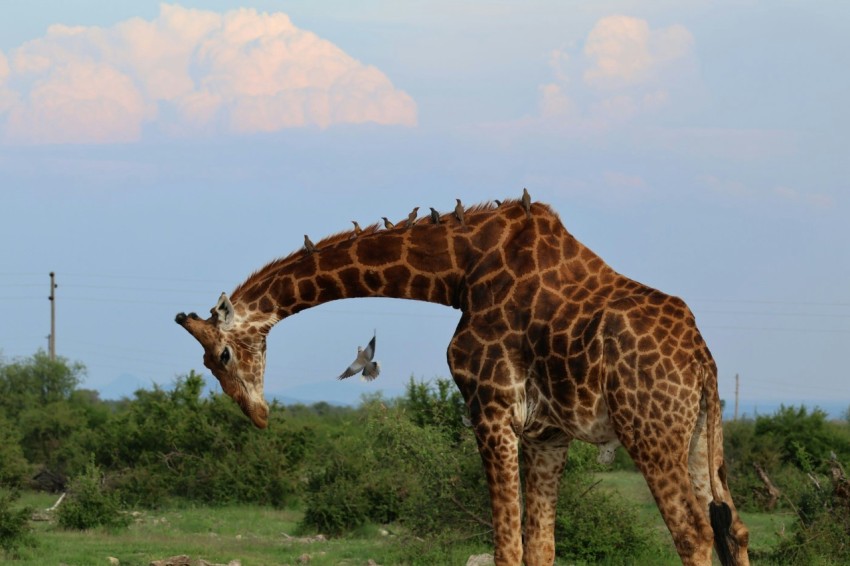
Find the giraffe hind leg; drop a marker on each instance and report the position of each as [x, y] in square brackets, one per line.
[661, 454]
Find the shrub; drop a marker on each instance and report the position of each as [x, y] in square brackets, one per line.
[391, 470]
[14, 525]
[822, 532]
[89, 504]
[597, 526]
[13, 465]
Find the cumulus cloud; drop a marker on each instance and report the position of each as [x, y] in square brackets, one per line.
[624, 69]
[185, 73]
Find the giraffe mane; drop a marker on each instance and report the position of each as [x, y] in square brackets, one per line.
[469, 210]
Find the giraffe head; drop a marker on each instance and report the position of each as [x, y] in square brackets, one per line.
[235, 352]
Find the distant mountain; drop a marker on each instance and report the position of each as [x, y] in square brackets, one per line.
[752, 409]
[345, 392]
[123, 386]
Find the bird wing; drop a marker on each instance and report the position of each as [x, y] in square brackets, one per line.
[356, 366]
[369, 351]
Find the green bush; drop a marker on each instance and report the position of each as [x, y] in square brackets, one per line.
[389, 469]
[179, 444]
[90, 504]
[596, 526]
[822, 533]
[14, 525]
[13, 465]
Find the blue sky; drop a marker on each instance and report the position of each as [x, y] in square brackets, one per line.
[154, 155]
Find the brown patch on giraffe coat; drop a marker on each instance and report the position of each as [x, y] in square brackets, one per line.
[379, 256]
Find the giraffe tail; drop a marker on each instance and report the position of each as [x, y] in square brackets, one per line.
[719, 511]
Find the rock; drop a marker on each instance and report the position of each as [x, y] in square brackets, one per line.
[181, 560]
[480, 560]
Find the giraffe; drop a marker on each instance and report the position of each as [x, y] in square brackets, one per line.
[552, 345]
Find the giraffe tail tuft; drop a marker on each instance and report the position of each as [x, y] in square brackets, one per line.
[720, 515]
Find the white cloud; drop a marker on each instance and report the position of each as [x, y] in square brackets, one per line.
[188, 72]
[626, 69]
[738, 191]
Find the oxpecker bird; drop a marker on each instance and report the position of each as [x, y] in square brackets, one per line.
[459, 212]
[498, 203]
[435, 216]
[411, 218]
[363, 363]
[357, 228]
[387, 224]
[526, 202]
[311, 247]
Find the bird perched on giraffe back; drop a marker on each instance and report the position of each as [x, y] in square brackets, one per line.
[363, 363]
[435, 216]
[387, 224]
[411, 218]
[311, 247]
[357, 229]
[459, 212]
[526, 202]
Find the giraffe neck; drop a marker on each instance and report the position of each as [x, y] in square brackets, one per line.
[419, 263]
[465, 266]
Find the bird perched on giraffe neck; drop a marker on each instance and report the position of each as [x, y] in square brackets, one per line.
[308, 244]
[459, 212]
[387, 224]
[357, 229]
[526, 202]
[435, 216]
[411, 218]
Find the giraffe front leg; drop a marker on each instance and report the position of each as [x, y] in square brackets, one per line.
[497, 444]
[543, 465]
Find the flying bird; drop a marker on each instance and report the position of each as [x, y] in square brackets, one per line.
[311, 247]
[435, 216]
[526, 202]
[357, 228]
[459, 212]
[411, 218]
[363, 363]
[387, 224]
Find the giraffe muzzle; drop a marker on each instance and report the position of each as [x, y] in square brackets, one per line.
[182, 317]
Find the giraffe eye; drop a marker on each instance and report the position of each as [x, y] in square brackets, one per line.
[225, 356]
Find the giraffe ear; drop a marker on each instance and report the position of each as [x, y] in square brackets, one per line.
[224, 309]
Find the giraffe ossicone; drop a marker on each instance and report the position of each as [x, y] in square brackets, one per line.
[553, 345]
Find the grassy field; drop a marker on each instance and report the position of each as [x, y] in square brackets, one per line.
[764, 527]
[250, 534]
[265, 536]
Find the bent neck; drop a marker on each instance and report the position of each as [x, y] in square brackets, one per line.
[420, 263]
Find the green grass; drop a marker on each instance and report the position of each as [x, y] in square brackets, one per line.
[254, 535]
[765, 528]
[265, 536]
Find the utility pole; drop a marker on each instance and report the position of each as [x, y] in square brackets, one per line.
[52, 339]
[736, 397]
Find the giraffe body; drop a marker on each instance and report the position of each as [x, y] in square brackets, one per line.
[552, 345]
